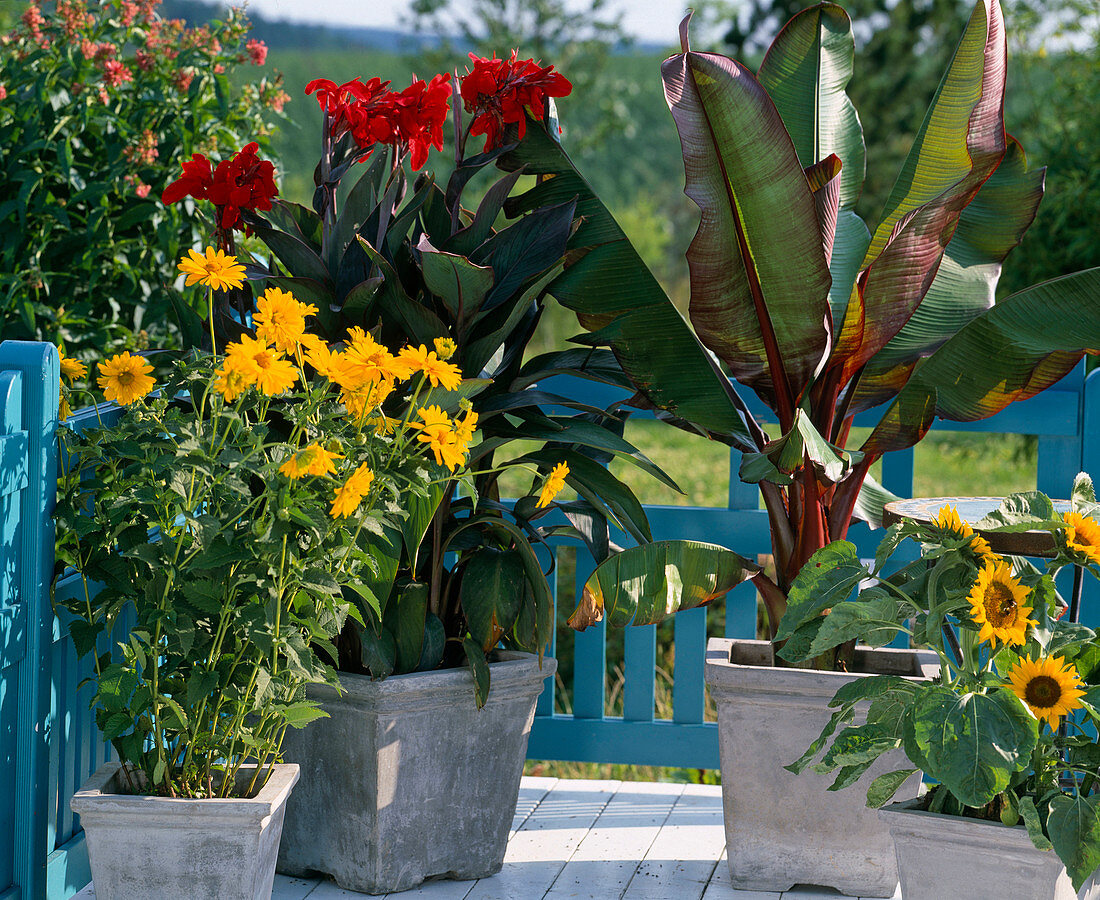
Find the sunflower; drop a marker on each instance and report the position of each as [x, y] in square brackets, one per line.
[217, 270]
[949, 520]
[1083, 536]
[997, 604]
[312, 460]
[280, 319]
[348, 496]
[555, 483]
[1050, 687]
[262, 365]
[438, 372]
[125, 378]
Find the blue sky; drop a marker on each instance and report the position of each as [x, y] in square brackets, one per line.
[647, 20]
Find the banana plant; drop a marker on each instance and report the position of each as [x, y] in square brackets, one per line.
[796, 299]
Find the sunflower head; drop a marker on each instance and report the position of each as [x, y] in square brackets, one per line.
[1082, 535]
[997, 604]
[1049, 687]
[554, 485]
[951, 524]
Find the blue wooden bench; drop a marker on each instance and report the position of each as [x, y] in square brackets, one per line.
[48, 742]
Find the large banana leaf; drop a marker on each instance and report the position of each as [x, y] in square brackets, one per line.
[964, 117]
[1021, 346]
[610, 288]
[759, 280]
[989, 228]
[643, 585]
[805, 73]
[959, 145]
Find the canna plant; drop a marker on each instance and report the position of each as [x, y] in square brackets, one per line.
[466, 571]
[797, 300]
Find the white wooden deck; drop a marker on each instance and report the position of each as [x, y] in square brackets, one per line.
[594, 839]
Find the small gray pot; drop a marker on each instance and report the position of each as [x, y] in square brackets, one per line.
[784, 829]
[948, 856]
[408, 779]
[141, 847]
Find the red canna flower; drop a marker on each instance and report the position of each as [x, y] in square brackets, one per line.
[499, 91]
[242, 182]
[372, 114]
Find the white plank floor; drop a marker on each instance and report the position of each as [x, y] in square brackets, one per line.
[594, 840]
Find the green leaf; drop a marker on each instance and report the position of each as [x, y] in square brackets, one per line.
[1034, 824]
[782, 457]
[828, 578]
[1021, 346]
[493, 582]
[421, 509]
[461, 284]
[405, 617]
[759, 282]
[479, 670]
[1073, 824]
[805, 72]
[613, 293]
[882, 789]
[378, 653]
[435, 640]
[299, 715]
[963, 124]
[643, 585]
[875, 618]
[973, 743]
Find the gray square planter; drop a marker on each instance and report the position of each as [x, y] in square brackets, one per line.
[407, 779]
[142, 847]
[949, 856]
[784, 829]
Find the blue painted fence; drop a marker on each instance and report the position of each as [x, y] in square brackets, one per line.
[48, 742]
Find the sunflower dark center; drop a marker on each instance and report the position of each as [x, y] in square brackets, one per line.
[1043, 691]
[125, 378]
[1000, 605]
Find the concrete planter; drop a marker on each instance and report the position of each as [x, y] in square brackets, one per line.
[784, 829]
[142, 847]
[949, 856]
[407, 779]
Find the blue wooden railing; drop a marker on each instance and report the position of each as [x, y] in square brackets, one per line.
[48, 741]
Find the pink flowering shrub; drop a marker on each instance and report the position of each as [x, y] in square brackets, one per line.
[99, 102]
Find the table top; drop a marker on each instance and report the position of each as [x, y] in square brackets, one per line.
[971, 510]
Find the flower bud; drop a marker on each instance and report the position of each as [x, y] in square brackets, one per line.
[445, 347]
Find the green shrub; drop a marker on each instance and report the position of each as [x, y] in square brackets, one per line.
[98, 106]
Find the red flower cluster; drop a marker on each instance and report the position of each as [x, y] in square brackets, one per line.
[373, 114]
[497, 91]
[243, 182]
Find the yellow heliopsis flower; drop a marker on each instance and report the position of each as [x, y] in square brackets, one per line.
[125, 378]
[554, 484]
[436, 430]
[63, 408]
[438, 372]
[1083, 536]
[365, 361]
[233, 379]
[312, 460]
[445, 347]
[1050, 687]
[262, 365]
[465, 429]
[348, 496]
[997, 604]
[319, 356]
[217, 270]
[363, 399]
[280, 319]
[71, 369]
[949, 520]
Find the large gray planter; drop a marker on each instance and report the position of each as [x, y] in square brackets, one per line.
[141, 847]
[784, 829]
[949, 856]
[407, 779]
